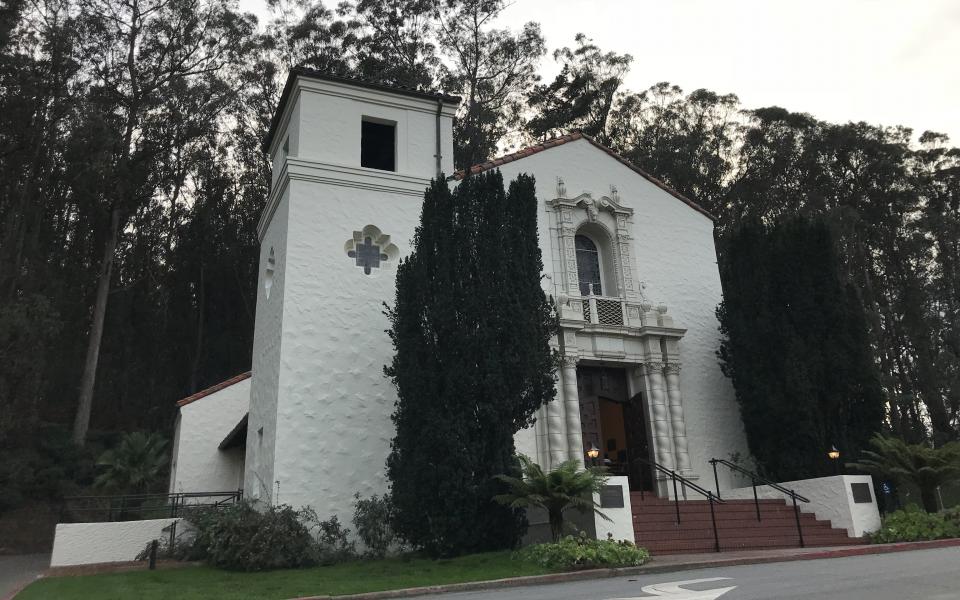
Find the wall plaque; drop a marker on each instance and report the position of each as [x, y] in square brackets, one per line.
[611, 496]
[861, 493]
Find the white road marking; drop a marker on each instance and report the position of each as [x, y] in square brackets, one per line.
[673, 590]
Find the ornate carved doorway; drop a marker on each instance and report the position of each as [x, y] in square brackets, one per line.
[615, 423]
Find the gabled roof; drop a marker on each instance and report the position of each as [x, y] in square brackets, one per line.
[355, 81]
[214, 389]
[570, 137]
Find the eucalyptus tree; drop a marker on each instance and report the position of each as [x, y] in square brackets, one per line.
[304, 33]
[394, 41]
[490, 68]
[582, 95]
[689, 141]
[139, 53]
[37, 104]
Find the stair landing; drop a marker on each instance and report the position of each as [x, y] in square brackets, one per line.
[656, 529]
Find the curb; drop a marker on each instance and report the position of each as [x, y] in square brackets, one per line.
[641, 570]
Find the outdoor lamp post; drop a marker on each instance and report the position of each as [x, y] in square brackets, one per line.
[593, 453]
[833, 455]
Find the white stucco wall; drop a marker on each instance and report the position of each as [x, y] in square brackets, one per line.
[334, 407]
[320, 344]
[674, 255]
[267, 337]
[620, 525]
[198, 465]
[318, 387]
[831, 498]
[92, 543]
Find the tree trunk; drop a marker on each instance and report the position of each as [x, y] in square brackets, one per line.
[556, 524]
[928, 497]
[85, 404]
[198, 342]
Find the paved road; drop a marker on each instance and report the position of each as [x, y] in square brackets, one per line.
[917, 575]
[15, 570]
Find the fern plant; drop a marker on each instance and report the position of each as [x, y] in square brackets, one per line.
[556, 491]
[918, 464]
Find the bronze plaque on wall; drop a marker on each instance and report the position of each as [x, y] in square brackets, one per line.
[611, 496]
[861, 493]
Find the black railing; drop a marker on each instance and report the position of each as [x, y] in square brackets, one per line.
[139, 507]
[754, 480]
[684, 484]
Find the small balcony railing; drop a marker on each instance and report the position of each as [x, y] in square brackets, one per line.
[603, 310]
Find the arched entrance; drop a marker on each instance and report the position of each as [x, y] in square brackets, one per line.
[616, 423]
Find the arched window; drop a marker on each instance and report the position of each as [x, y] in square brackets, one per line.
[588, 265]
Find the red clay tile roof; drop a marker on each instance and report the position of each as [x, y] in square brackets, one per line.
[214, 389]
[570, 137]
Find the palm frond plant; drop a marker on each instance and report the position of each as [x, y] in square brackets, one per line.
[557, 491]
[923, 466]
[135, 465]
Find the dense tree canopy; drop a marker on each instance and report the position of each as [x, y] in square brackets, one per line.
[132, 177]
[796, 348]
[472, 363]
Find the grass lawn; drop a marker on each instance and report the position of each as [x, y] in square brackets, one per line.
[350, 578]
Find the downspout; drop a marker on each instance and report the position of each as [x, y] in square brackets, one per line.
[439, 108]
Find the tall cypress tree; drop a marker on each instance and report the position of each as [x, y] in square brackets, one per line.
[470, 328]
[797, 349]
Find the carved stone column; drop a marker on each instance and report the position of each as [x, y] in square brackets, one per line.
[571, 401]
[675, 400]
[556, 428]
[660, 414]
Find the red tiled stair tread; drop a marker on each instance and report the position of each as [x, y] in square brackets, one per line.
[695, 532]
[655, 526]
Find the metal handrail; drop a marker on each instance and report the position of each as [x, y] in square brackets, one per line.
[754, 479]
[132, 505]
[686, 483]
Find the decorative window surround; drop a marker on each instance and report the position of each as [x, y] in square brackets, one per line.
[370, 248]
[572, 214]
[620, 327]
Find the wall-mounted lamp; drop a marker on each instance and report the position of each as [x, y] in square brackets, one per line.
[593, 452]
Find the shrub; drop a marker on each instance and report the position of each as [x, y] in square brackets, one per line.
[583, 552]
[913, 524]
[242, 538]
[333, 543]
[372, 517]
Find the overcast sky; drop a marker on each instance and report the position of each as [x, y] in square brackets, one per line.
[883, 61]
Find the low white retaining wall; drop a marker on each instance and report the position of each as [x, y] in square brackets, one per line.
[615, 504]
[91, 543]
[831, 498]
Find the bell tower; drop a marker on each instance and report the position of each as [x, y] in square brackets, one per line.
[351, 160]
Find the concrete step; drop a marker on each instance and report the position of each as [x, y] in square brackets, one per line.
[706, 545]
[730, 508]
[704, 533]
[648, 516]
[752, 529]
[696, 499]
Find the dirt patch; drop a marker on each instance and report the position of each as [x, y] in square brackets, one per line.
[28, 530]
[115, 567]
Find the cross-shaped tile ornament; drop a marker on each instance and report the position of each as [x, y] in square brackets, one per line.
[368, 255]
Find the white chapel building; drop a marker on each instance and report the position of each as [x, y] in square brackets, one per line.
[631, 263]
